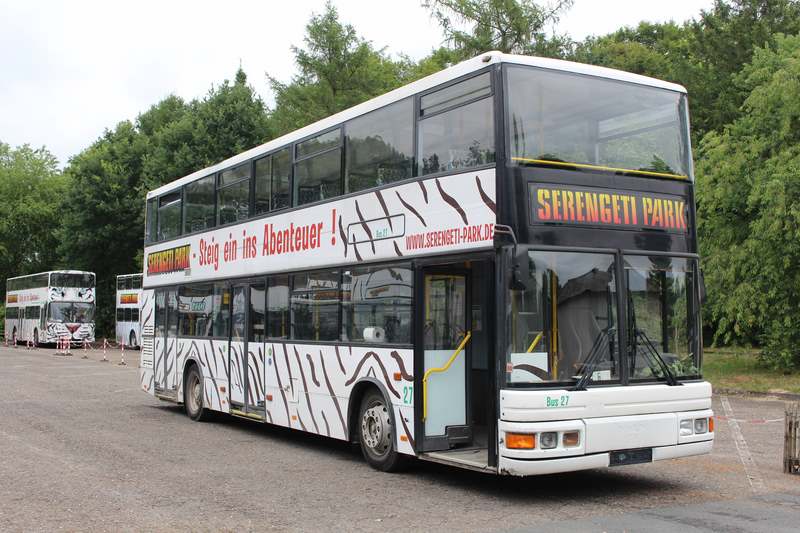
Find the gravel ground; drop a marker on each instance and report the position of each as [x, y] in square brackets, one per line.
[81, 448]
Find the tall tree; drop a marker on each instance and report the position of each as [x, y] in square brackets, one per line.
[749, 209]
[337, 69]
[31, 187]
[472, 27]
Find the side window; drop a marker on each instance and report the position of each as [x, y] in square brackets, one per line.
[380, 146]
[258, 300]
[137, 282]
[120, 314]
[263, 186]
[456, 127]
[169, 216]
[198, 207]
[134, 315]
[318, 168]
[278, 307]
[233, 194]
[281, 175]
[120, 284]
[151, 221]
[195, 306]
[221, 310]
[315, 306]
[376, 304]
[12, 313]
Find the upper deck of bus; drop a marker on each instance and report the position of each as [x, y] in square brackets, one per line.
[429, 82]
[43, 279]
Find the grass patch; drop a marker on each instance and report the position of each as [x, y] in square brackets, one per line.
[739, 368]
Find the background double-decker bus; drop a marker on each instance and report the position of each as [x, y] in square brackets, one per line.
[51, 306]
[129, 298]
[494, 267]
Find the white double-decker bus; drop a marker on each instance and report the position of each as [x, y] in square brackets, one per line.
[494, 267]
[51, 306]
[129, 298]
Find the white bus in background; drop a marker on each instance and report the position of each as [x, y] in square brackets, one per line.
[494, 267]
[129, 298]
[50, 306]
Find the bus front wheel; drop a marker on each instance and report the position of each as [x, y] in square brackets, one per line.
[193, 395]
[376, 434]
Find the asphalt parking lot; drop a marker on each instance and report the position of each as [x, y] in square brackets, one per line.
[81, 448]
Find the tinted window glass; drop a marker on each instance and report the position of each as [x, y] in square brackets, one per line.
[151, 225]
[460, 138]
[318, 177]
[135, 315]
[195, 307]
[315, 306]
[281, 174]
[120, 284]
[136, 282]
[221, 310]
[128, 314]
[263, 187]
[257, 312]
[58, 279]
[233, 175]
[234, 202]
[380, 146]
[120, 314]
[376, 304]
[169, 216]
[319, 143]
[459, 93]
[199, 205]
[278, 307]
[12, 313]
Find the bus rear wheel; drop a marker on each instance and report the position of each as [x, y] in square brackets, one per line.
[376, 434]
[193, 395]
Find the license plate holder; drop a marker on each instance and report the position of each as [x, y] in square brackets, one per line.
[630, 457]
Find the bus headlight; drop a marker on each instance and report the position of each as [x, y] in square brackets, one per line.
[548, 440]
[700, 425]
[686, 428]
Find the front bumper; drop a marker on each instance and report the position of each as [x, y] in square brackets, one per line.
[521, 467]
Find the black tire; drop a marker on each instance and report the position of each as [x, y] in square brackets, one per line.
[193, 395]
[376, 433]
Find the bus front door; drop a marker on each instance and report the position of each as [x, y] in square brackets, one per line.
[444, 342]
[165, 343]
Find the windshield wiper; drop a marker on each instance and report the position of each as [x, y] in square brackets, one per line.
[653, 354]
[593, 359]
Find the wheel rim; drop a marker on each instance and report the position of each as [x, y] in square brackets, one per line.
[376, 429]
[195, 390]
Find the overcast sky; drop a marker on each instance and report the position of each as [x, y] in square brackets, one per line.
[69, 70]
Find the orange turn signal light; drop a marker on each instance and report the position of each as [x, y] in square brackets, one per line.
[711, 424]
[520, 441]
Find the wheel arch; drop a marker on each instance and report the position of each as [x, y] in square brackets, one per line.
[188, 364]
[360, 388]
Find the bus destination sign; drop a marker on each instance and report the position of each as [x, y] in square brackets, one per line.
[170, 260]
[584, 206]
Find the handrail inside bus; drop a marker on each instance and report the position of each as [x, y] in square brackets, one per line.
[599, 167]
[444, 368]
[535, 342]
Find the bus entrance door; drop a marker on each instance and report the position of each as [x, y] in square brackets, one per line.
[165, 345]
[445, 351]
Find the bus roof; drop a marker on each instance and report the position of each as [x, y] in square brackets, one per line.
[423, 84]
[53, 272]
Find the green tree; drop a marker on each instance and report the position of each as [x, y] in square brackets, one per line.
[31, 188]
[472, 27]
[749, 209]
[337, 69]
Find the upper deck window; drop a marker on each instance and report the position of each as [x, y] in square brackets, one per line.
[272, 182]
[233, 194]
[199, 205]
[318, 175]
[380, 146]
[62, 279]
[571, 120]
[456, 128]
[169, 216]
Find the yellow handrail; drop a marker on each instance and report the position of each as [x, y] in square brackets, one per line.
[600, 167]
[535, 342]
[440, 369]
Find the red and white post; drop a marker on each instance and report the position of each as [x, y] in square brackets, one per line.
[105, 347]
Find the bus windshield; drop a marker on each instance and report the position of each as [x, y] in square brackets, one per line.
[71, 312]
[60, 279]
[573, 120]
